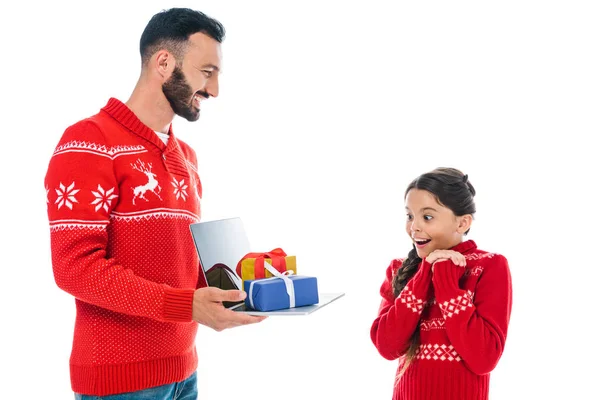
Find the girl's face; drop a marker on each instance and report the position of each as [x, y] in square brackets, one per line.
[432, 226]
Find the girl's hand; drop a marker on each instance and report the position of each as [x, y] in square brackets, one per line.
[440, 255]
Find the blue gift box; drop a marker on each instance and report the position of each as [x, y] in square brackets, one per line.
[270, 294]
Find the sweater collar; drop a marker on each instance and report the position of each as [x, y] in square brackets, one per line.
[123, 114]
[465, 247]
[170, 152]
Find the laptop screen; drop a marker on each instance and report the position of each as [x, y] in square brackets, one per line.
[221, 244]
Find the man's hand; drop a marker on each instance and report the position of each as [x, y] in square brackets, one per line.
[208, 309]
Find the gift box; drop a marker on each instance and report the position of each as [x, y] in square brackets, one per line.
[272, 294]
[252, 265]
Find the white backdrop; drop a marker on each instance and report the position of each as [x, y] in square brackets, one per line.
[327, 111]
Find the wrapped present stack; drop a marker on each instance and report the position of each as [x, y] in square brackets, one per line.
[271, 283]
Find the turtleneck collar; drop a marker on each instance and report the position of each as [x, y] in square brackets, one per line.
[465, 247]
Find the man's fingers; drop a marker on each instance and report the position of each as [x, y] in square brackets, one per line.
[240, 317]
[251, 319]
[235, 295]
[232, 319]
[227, 295]
[208, 309]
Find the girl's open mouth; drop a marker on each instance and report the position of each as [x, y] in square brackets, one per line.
[421, 242]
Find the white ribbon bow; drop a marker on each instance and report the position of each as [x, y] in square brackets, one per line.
[289, 285]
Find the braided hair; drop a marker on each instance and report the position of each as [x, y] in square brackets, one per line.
[453, 190]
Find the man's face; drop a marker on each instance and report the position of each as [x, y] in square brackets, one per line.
[196, 79]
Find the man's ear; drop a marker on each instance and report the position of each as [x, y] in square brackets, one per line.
[464, 223]
[163, 63]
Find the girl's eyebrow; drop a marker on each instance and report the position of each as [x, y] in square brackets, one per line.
[423, 209]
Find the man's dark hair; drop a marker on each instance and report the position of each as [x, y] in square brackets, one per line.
[171, 29]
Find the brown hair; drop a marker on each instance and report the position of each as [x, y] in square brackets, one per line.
[409, 268]
[452, 189]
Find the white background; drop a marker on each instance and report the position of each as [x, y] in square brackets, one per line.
[327, 111]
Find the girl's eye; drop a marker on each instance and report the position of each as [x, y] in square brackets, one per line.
[428, 217]
[408, 217]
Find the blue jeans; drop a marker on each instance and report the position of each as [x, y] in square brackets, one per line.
[184, 390]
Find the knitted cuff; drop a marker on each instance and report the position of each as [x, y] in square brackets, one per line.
[451, 299]
[178, 304]
[416, 292]
[422, 279]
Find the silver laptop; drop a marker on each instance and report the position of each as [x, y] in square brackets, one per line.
[221, 244]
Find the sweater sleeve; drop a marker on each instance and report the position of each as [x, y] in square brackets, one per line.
[398, 317]
[476, 323]
[82, 191]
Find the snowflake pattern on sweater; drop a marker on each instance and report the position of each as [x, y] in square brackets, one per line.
[119, 210]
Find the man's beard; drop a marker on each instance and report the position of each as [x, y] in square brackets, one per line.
[179, 94]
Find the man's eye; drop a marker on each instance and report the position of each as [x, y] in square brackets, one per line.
[207, 73]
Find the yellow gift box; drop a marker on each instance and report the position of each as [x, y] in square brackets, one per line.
[247, 267]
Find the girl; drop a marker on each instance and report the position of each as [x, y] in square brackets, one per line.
[445, 307]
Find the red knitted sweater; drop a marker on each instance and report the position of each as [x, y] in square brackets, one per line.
[462, 314]
[120, 203]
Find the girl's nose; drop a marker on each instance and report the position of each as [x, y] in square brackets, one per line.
[414, 227]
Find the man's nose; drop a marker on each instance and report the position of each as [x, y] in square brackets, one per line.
[212, 87]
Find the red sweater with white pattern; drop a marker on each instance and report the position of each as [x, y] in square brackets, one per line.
[120, 203]
[462, 314]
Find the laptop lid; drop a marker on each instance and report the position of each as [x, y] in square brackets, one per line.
[221, 244]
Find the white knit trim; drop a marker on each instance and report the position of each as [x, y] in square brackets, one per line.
[99, 149]
[77, 224]
[456, 305]
[475, 271]
[412, 302]
[437, 352]
[431, 324]
[155, 213]
[479, 256]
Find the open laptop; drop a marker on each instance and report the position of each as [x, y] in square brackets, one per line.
[221, 244]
